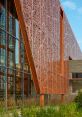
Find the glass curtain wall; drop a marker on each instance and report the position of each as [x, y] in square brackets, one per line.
[3, 62]
[14, 70]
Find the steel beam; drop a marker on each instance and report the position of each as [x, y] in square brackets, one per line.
[62, 47]
[42, 100]
[61, 42]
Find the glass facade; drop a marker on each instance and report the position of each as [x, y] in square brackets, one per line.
[15, 78]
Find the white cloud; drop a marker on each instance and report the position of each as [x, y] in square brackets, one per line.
[69, 4]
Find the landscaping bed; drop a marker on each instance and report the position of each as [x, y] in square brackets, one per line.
[73, 109]
[67, 110]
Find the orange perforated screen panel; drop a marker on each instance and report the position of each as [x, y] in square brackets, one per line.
[45, 28]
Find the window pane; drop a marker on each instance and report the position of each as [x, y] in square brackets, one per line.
[2, 38]
[11, 42]
[17, 29]
[17, 52]
[2, 17]
[2, 56]
[2, 82]
[12, 25]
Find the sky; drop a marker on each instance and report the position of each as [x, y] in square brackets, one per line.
[73, 10]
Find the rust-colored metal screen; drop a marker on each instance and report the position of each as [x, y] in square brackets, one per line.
[43, 26]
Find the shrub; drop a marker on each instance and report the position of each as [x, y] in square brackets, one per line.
[78, 99]
[69, 110]
[47, 112]
[15, 113]
[29, 111]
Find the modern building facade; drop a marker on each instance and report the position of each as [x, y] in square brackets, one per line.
[36, 44]
[15, 77]
[75, 73]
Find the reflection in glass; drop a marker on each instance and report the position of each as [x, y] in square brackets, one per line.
[2, 56]
[13, 63]
[2, 17]
[2, 37]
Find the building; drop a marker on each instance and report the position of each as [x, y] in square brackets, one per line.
[36, 44]
[75, 73]
[15, 77]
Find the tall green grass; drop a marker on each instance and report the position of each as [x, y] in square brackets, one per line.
[67, 110]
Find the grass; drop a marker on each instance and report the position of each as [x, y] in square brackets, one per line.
[67, 110]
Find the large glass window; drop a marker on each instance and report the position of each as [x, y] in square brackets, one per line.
[13, 63]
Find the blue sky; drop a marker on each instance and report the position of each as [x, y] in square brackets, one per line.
[73, 10]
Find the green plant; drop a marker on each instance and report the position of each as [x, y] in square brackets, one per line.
[27, 112]
[78, 99]
[42, 113]
[15, 113]
[2, 111]
[67, 110]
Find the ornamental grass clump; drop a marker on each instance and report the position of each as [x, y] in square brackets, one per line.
[78, 99]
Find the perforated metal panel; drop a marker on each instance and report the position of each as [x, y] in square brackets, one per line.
[42, 21]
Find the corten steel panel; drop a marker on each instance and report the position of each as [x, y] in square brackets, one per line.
[26, 44]
[71, 46]
[41, 20]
